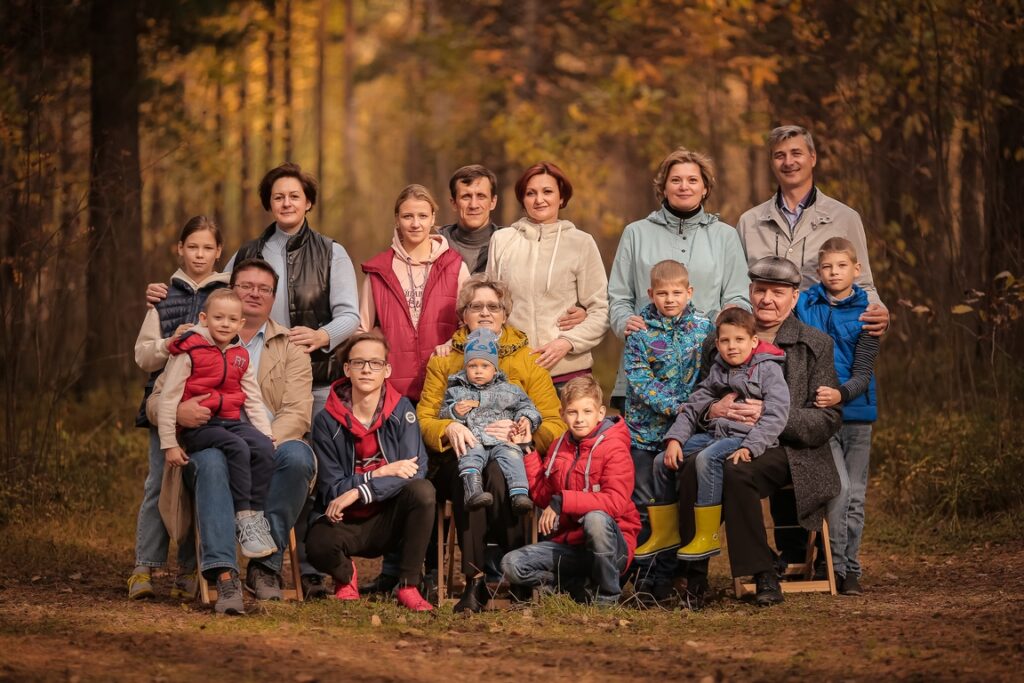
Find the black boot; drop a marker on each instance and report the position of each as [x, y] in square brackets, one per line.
[520, 594]
[475, 497]
[474, 597]
[768, 590]
[521, 504]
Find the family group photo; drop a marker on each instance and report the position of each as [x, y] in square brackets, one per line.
[429, 341]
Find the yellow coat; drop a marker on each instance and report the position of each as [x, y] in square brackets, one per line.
[519, 366]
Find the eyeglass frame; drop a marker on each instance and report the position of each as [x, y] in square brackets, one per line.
[479, 306]
[360, 363]
[247, 287]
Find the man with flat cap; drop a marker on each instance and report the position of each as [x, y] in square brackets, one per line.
[802, 458]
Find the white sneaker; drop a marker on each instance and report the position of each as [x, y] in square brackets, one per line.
[252, 538]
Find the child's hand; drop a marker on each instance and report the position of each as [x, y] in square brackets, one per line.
[442, 350]
[522, 433]
[634, 323]
[404, 469]
[826, 397]
[463, 407]
[548, 521]
[181, 329]
[673, 455]
[741, 455]
[335, 509]
[175, 457]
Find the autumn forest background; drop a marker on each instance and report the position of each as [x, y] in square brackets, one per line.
[119, 119]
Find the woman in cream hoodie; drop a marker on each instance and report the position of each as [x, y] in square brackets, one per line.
[410, 290]
[550, 266]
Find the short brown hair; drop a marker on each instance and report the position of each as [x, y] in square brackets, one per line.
[253, 264]
[225, 293]
[467, 175]
[482, 281]
[346, 349]
[736, 317]
[581, 387]
[415, 191]
[545, 168]
[287, 170]
[669, 270]
[684, 156]
[838, 245]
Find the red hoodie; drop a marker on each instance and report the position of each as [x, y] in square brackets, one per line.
[595, 473]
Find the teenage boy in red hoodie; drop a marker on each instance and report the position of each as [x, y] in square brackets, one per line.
[371, 493]
[585, 489]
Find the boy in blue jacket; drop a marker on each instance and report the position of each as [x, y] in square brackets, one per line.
[834, 306]
[371, 493]
[661, 365]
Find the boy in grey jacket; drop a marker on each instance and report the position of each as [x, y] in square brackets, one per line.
[477, 396]
[752, 369]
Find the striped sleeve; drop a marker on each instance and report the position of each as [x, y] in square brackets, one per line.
[863, 367]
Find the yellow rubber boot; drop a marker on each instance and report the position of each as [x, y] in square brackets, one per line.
[705, 542]
[664, 521]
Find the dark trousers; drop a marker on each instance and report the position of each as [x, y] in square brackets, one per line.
[250, 456]
[496, 523]
[745, 484]
[403, 523]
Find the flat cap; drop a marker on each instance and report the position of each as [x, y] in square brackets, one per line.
[775, 269]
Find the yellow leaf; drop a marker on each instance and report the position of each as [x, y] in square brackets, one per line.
[960, 309]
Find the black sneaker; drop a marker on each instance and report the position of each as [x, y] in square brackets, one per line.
[313, 587]
[851, 585]
[262, 582]
[768, 590]
[229, 595]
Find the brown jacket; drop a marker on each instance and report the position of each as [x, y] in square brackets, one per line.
[286, 382]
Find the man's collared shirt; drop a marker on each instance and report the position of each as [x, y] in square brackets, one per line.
[255, 348]
[793, 217]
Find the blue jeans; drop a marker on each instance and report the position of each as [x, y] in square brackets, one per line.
[207, 475]
[601, 558]
[709, 455]
[151, 538]
[851, 450]
[509, 459]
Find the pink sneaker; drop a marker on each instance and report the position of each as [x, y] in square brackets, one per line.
[410, 598]
[350, 590]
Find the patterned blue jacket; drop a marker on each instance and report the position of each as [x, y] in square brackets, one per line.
[499, 399]
[661, 365]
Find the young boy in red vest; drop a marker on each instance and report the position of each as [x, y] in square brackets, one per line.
[208, 360]
[585, 489]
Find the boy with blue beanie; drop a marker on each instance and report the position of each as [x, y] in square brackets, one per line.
[834, 306]
[477, 396]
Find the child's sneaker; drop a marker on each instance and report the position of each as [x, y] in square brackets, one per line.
[350, 590]
[521, 504]
[409, 597]
[140, 585]
[185, 586]
[251, 537]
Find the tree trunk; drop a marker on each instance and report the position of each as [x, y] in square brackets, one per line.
[115, 242]
[319, 104]
[286, 65]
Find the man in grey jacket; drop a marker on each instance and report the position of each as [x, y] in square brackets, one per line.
[799, 218]
[802, 457]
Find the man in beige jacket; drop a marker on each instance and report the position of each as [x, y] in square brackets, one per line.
[285, 377]
[800, 218]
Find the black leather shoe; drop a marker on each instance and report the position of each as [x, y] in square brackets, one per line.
[313, 587]
[851, 585]
[768, 590]
[521, 504]
[382, 583]
[474, 596]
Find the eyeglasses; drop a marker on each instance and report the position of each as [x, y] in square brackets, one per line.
[359, 364]
[478, 307]
[248, 287]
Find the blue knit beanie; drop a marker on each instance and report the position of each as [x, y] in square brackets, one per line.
[482, 343]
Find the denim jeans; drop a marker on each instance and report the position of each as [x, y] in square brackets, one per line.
[601, 558]
[664, 484]
[151, 538]
[509, 459]
[710, 462]
[207, 476]
[851, 450]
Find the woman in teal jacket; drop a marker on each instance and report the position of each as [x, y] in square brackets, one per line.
[712, 253]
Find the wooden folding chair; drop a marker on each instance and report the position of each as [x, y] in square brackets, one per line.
[803, 572]
[208, 594]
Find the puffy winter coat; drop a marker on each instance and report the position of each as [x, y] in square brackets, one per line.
[595, 473]
[499, 399]
[214, 372]
[662, 364]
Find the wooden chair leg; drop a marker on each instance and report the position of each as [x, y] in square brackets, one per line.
[441, 583]
[812, 538]
[828, 556]
[293, 559]
[206, 594]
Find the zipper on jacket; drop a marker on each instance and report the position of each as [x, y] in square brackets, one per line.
[572, 467]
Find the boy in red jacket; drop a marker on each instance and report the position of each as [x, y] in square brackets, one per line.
[585, 489]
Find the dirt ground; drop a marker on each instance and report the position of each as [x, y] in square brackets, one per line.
[924, 616]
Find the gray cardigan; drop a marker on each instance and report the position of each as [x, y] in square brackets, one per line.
[808, 365]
